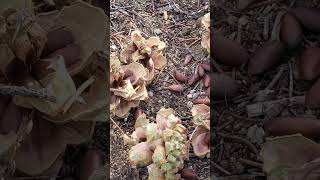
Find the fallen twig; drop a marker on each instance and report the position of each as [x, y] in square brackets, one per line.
[23, 91]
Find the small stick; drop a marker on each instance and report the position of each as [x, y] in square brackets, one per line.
[291, 80]
[23, 91]
[117, 125]
[172, 76]
[275, 79]
[220, 168]
[244, 141]
[250, 163]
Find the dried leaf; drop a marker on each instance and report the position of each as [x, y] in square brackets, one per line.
[158, 59]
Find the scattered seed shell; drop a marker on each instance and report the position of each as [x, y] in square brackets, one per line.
[223, 86]
[308, 18]
[206, 67]
[266, 57]
[312, 99]
[193, 79]
[310, 63]
[89, 163]
[205, 101]
[200, 71]
[175, 88]
[187, 59]
[188, 174]
[223, 48]
[206, 80]
[243, 4]
[309, 127]
[57, 39]
[290, 31]
[180, 76]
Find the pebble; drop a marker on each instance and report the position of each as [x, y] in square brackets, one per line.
[150, 93]
[157, 31]
[189, 104]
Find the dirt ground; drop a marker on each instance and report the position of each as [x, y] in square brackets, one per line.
[182, 35]
[236, 152]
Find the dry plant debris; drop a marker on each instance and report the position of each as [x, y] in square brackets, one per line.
[205, 39]
[53, 88]
[200, 138]
[280, 40]
[162, 146]
[133, 72]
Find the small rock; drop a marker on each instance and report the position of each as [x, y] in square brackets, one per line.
[256, 134]
[150, 93]
[157, 31]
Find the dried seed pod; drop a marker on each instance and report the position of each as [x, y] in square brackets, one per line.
[180, 76]
[188, 174]
[266, 57]
[223, 47]
[200, 70]
[290, 31]
[205, 101]
[309, 127]
[223, 86]
[312, 99]
[206, 66]
[187, 59]
[57, 39]
[310, 63]
[206, 80]
[175, 88]
[193, 79]
[90, 162]
[243, 4]
[308, 18]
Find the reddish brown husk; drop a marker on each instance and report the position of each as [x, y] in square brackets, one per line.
[57, 39]
[266, 57]
[223, 48]
[89, 163]
[70, 53]
[290, 32]
[188, 174]
[206, 67]
[310, 63]
[309, 127]
[180, 76]
[208, 92]
[312, 96]
[308, 18]
[243, 4]
[175, 88]
[206, 80]
[200, 71]
[205, 101]
[223, 86]
[187, 59]
[193, 79]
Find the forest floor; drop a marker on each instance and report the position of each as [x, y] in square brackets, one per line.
[237, 137]
[182, 34]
